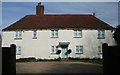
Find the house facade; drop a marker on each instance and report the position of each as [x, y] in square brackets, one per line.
[42, 35]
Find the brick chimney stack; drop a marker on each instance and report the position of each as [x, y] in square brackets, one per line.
[39, 9]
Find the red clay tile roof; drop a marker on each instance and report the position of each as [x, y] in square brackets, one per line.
[61, 21]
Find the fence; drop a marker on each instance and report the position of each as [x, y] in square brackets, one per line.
[111, 59]
[9, 60]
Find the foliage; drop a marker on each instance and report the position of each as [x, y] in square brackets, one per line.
[69, 51]
[36, 60]
[58, 52]
[30, 59]
[116, 35]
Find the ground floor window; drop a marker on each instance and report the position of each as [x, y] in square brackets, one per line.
[79, 49]
[18, 50]
[99, 50]
[53, 49]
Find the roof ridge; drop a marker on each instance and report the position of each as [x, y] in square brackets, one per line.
[61, 15]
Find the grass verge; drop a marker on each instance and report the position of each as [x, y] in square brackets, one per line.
[94, 60]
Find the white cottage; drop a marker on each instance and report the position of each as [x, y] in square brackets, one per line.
[41, 35]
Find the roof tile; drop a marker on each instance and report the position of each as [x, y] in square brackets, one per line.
[59, 21]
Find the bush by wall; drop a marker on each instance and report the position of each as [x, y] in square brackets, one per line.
[32, 59]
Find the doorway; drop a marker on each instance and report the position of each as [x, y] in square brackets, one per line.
[64, 53]
[64, 48]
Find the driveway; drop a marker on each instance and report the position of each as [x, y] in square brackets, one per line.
[58, 67]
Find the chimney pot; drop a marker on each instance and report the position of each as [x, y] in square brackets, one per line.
[39, 3]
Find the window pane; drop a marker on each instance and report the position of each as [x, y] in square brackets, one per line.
[99, 49]
[56, 33]
[81, 49]
[79, 33]
[101, 34]
[20, 34]
[75, 33]
[16, 34]
[52, 33]
[53, 49]
[77, 48]
[34, 33]
[18, 50]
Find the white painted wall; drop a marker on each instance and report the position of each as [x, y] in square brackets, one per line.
[41, 47]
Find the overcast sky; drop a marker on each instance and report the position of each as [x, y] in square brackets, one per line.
[106, 11]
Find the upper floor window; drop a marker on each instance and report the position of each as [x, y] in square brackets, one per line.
[77, 33]
[18, 35]
[34, 34]
[53, 49]
[79, 49]
[18, 50]
[54, 33]
[101, 34]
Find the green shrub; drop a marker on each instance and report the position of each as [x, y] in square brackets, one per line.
[30, 59]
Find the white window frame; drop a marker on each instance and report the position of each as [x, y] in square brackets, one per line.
[18, 34]
[78, 33]
[34, 34]
[54, 33]
[101, 34]
[79, 49]
[18, 50]
[53, 49]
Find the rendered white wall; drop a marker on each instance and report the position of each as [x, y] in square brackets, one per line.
[41, 47]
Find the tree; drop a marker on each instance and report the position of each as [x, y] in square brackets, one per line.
[116, 35]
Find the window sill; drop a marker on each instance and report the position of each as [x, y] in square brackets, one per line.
[101, 38]
[77, 37]
[53, 53]
[34, 38]
[17, 38]
[54, 37]
[78, 53]
[99, 53]
[18, 54]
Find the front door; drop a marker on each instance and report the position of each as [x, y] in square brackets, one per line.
[64, 53]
